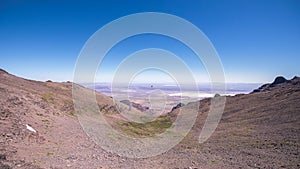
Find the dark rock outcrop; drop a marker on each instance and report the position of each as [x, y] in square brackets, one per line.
[278, 81]
[217, 95]
[177, 106]
[3, 71]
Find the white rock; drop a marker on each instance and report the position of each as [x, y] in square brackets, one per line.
[30, 128]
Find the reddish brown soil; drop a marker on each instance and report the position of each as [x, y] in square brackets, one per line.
[258, 130]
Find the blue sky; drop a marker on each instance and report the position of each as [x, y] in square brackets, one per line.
[255, 40]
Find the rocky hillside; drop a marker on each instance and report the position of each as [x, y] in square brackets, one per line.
[39, 129]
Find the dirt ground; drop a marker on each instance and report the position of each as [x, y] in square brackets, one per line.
[257, 130]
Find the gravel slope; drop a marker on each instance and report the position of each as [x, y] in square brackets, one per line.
[257, 130]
